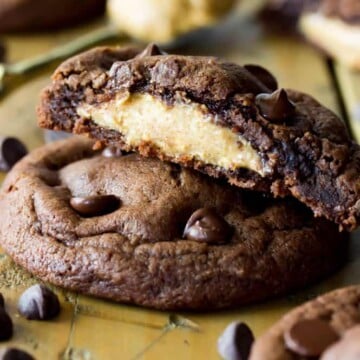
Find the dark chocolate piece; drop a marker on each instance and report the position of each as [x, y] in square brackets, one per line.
[235, 342]
[38, 303]
[151, 50]
[275, 107]
[205, 225]
[310, 337]
[263, 75]
[6, 325]
[11, 151]
[95, 205]
[9, 353]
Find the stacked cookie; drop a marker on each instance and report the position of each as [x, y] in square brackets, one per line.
[204, 196]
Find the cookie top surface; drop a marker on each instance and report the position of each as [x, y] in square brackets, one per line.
[290, 144]
[153, 248]
[34, 15]
[335, 314]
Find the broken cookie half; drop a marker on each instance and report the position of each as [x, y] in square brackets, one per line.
[217, 117]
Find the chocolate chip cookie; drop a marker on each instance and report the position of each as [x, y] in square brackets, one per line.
[223, 119]
[334, 26]
[35, 15]
[142, 231]
[327, 328]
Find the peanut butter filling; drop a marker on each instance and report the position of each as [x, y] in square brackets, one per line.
[179, 130]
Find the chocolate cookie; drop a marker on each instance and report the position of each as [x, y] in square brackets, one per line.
[142, 231]
[282, 15]
[34, 15]
[327, 328]
[217, 117]
[334, 26]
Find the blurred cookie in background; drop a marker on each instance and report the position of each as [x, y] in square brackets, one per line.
[40, 15]
[334, 26]
[162, 20]
[282, 15]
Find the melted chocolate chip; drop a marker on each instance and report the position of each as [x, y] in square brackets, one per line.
[14, 354]
[38, 303]
[6, 325]
[206, 225]
[95, 205]
[11, 151]
[111, 152]
[275, 107]
[310, 337]
[263, 75]
[235, 342]
[151, 50]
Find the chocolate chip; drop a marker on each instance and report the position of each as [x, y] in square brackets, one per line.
[151, 50]
[38, 303]
[263, 75]
[12, 150]
[111, 152]
[6, 326]
[310, 337]
[235, 342]
[276, 106]
[95, 205]
[14, 354]
[206, 225]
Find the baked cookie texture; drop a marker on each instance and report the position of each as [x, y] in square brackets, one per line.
[334, 26]
[216, 117]
[35, 15]
[339, 309]
[154, 248]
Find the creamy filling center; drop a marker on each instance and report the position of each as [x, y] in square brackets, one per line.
[180, 130]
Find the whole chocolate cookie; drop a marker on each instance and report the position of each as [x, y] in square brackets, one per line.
[217, 117]
[142, 231]
[34, 15]
[327, 328]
